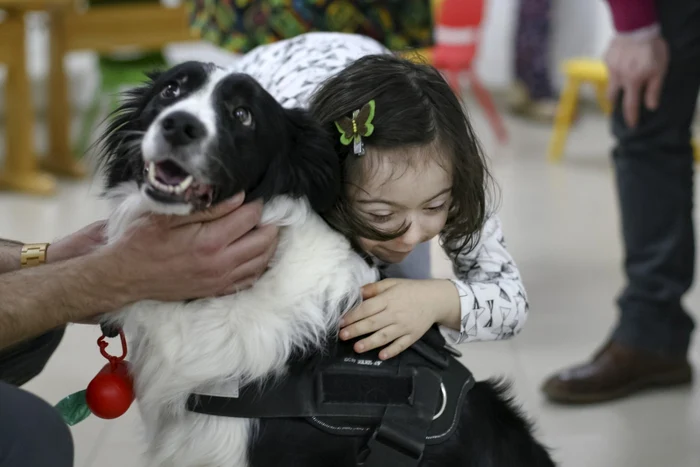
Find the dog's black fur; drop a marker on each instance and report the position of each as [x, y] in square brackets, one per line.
[287, 153]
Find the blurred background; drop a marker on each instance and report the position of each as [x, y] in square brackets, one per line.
[61, 61]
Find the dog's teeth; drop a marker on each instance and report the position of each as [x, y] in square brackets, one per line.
[178, 189]
[152, 173]
[183, 185]
[159, 185]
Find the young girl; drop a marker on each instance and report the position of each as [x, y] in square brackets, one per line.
[416, 173]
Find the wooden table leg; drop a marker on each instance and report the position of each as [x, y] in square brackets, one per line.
[60, 158]
[20, 172]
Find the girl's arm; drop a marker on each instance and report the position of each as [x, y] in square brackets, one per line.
[492, 295]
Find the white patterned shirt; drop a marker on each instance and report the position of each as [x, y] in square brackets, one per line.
[492, 296]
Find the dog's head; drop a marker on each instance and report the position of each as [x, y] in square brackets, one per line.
[196, 134]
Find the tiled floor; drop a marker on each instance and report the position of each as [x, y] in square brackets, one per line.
[562, 227]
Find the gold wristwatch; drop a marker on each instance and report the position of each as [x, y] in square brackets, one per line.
[33, 254]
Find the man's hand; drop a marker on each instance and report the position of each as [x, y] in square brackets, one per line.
[215, 252]
[80, 243]
[160, 257]
[637, 63]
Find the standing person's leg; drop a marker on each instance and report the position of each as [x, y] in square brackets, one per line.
[532, 47]
[654, 165]
[534, 94]
[32, 433]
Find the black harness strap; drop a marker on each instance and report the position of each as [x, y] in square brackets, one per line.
[404, 403]
[399, 440]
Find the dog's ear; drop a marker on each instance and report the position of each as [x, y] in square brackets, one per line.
[315, 167]
[118, 154]
[154, 74]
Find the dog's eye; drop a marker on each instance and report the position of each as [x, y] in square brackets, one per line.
[244, 116]
[171, 90]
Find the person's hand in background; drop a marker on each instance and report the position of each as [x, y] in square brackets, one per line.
[637, 64]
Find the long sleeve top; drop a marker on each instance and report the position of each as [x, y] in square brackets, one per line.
[492, 296]
[633, 15]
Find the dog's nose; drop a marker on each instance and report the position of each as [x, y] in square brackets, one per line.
[182, 128]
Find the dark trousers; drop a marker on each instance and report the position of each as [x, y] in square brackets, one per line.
[32, 433]
[654, 168]
[532, 48]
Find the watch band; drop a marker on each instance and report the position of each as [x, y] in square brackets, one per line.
[33, 254]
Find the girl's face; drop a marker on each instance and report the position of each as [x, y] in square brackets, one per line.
[399, 188]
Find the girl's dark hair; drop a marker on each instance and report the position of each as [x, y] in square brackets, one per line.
[415, 107]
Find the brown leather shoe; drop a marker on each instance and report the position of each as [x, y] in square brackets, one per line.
[616, 371]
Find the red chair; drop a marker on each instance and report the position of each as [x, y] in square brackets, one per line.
[457, 38]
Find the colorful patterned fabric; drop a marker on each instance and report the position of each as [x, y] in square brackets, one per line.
[241, 25]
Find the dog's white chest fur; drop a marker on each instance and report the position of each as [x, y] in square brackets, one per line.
[209, 344]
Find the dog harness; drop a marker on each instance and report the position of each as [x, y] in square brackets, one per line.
[401, 404]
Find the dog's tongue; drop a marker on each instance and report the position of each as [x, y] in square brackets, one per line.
[170, 173]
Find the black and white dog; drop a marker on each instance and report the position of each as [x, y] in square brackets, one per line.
[191, 137]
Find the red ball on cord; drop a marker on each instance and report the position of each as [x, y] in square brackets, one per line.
[111, 392]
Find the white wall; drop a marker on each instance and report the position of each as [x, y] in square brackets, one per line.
[581, 27]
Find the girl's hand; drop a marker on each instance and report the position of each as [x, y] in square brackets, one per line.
[399, 312]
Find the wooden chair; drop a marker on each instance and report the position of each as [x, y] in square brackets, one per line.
[104, 29]
[21, 171]
[71, 27]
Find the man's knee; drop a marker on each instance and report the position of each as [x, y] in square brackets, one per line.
[32, 433]
[25, 360]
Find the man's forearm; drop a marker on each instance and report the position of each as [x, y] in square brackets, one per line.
[9, 255]
[38, 299]
[633, 15]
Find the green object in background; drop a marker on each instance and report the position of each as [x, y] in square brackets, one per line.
[74, 408]
[116, 74]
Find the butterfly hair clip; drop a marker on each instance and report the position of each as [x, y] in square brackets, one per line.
[352, 130]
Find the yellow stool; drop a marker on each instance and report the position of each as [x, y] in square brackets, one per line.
[577, 72]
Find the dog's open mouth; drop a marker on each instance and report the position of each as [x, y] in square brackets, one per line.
[170, 183]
